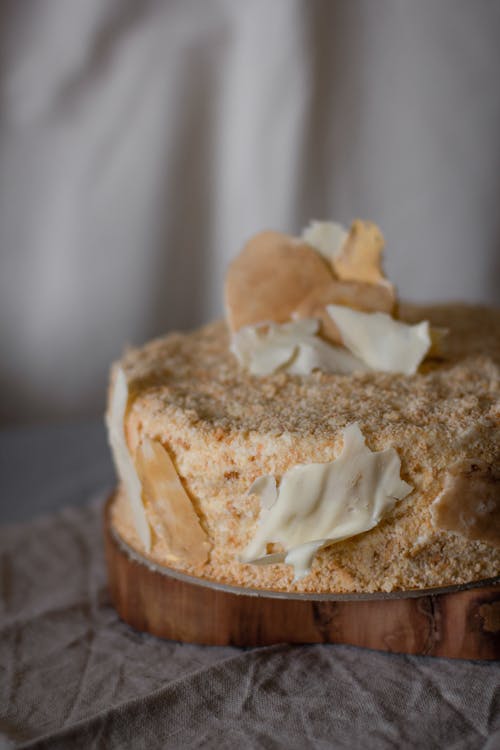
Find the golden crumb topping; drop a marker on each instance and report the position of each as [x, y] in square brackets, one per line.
[224, 428]
[197, 374]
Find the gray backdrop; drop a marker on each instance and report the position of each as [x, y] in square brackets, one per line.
[141, 143]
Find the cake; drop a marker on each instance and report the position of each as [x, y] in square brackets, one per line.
[366, 461]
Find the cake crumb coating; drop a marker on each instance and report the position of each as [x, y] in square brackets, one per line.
[224, 428]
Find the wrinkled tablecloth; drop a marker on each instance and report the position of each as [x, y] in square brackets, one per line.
[72, 675]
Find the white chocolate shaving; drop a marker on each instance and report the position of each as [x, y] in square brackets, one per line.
[381, 342]
[327, 237]
[319, 504]
[115, 420]
[265, 488]
[268, 347]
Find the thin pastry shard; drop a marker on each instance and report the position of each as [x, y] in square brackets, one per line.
[438, 342]
[469, 504]
[168, 505]
[360, 256]
[270, 278]
[354, 294]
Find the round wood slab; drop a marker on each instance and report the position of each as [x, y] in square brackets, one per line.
[458, 622]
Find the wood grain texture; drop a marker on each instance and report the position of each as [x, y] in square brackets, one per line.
[458, 622]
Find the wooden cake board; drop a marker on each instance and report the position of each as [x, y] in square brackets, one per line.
[456, 622]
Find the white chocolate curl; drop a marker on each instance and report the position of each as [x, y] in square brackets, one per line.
[319, 504]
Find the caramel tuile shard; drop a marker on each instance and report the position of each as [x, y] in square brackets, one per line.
[360, 257]
[469, 504]
[269, 279]
[357, 295]
[438, 342]
[168, 505]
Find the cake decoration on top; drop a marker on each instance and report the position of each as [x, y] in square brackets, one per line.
[469, 503]
[331, 276]
[293, 347]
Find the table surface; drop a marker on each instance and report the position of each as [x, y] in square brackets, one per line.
[73, 675]
[44, 468]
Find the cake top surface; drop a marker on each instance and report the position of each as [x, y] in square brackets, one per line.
[197, 375]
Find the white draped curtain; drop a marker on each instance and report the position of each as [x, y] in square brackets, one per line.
[142, 141]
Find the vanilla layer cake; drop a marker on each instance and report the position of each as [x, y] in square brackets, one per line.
[224, 428]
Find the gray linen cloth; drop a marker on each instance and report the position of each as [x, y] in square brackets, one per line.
[73, 675]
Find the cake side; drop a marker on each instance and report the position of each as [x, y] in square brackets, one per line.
[224, 428]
